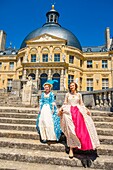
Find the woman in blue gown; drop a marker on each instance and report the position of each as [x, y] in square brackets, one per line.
[48, 122]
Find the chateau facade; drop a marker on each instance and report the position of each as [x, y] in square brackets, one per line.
[53, 52]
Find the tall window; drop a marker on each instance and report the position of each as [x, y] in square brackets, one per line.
[70, 78]
[104, 64]
[89, 84]
[105, 83]
[9, 85]
[11, 66]
[51, 18]
[33, 57]
[45, 58]
[89, 64]
[56, 57]
[71, 59]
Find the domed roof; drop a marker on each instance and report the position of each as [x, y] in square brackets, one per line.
[52, 27]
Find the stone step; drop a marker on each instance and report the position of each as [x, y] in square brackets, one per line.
[104, 131]
[53, 146]
[54, 158]
[19, 115]
[106, 139]
[19, 134]
[34, 135]
[19, 109]
[16, 165]
[34, 115]
[29, 127]
[21, 127]
[17, 120]
[33, 122]
[35, 110]
[101, 113]
[104, 124]
[102, 119]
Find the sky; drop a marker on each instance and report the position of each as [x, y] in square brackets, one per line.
[86, 19]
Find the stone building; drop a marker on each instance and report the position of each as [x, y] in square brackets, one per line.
[53, 52]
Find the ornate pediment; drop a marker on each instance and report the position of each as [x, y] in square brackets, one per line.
[46, 38]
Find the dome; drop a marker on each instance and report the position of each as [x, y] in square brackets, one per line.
[52, 27]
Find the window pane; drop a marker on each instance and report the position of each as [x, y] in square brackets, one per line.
[45, 57]
[71, 59]
[33, 57]
[11, 65]
[9, 84]
[104, 64]
[57, 57]
[70, 78]
[89, 64]
[89, 84]
[105, 83]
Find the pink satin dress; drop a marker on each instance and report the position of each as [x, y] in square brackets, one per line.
[77, 125]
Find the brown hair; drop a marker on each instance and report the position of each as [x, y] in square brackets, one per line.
[76, 86]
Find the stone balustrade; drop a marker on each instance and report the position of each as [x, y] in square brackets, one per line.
[100, 99]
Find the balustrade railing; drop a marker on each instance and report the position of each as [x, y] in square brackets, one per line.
[101, 99]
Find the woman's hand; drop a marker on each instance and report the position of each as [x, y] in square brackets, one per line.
[60, 112]
[88, 112]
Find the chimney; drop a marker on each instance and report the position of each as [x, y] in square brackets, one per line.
[107, 37]
[2, 40]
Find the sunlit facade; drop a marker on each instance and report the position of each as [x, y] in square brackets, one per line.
[52, 52]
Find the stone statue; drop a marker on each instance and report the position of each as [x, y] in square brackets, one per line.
[38, 58]
[63, 57]
[27, 92]
[25, 57]
[29, 82]
[50, 57]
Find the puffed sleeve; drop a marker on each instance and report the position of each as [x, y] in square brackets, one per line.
[51, 100]
[83, 105]
[41, 101]
[66, 98]
[80, 100]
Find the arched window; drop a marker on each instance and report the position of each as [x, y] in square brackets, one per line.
[43, 79]
[56, 85]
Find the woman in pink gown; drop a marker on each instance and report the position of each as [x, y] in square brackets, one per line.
[76, 123]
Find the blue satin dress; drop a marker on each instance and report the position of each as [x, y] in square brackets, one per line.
[48, 110]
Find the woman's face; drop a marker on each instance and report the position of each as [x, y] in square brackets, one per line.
[72, 87]
[47, 88]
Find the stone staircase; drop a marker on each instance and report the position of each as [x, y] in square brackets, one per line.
[11, 100]
[20, 147]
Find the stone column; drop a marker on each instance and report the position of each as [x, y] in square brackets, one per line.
[65, 72]
[111, 55]
[50, 55]
[39, 58]
[109, 98]
[49, 74]
[24, 74]
[37, 74]
[63, 54]
[19, 62]
[62, 80]
[97, 101]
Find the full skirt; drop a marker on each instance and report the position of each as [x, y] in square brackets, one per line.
[79, 128]
[48, 124]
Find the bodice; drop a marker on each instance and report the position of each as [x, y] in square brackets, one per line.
[46, 99]
[73, 99]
